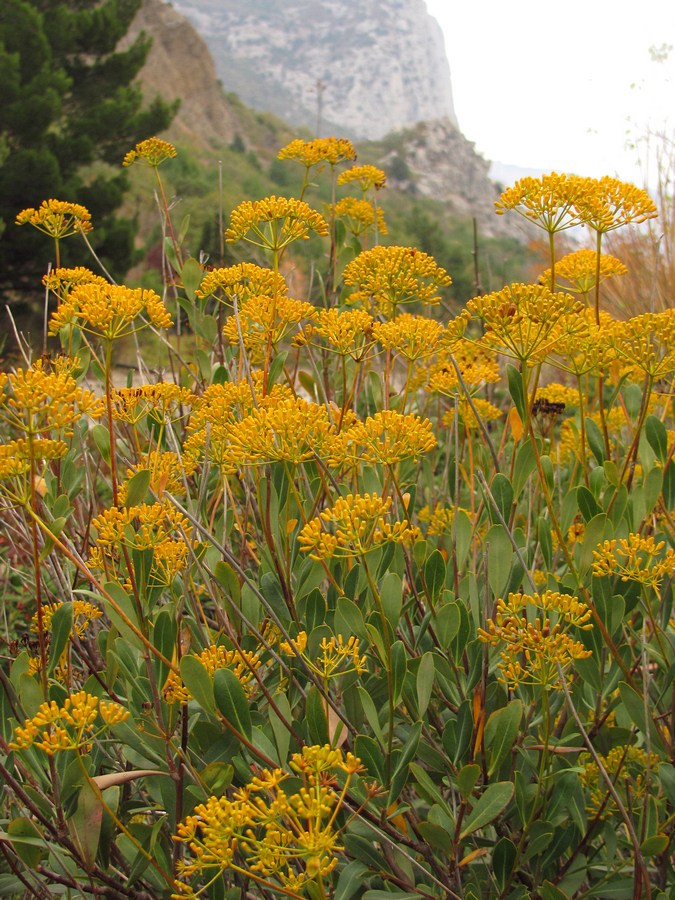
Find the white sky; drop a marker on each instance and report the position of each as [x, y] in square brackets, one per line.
[559, 85]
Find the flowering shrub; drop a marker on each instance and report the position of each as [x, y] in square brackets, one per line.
[365, 600]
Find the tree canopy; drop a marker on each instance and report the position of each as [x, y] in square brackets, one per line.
[70, 109]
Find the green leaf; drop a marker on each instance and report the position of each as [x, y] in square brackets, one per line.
[348, 619]
[164, 637]
[447, 620]
[595, 441]
[101, 437]
[515, 380]
[62, 624]
[400, 774]
[526, 463]
[501, 731]
[391, 895]
[588, 505]
[551, 892]
[198, 682]
[350, 880]
[657, 436]
[137, 488]
[85, 823]
[466, 779]
[398, 669]
[370, 754]
[27, 841]
[502, 492]
[282, 736]
[545, 540]
[434, 574]
[503, 858]
[231, 700]
[653, 485]
[371, 713]
[500, 555]
[425, 682]
[654, 844]
[317, 722]
[490, 804]
[635, 707]
[191, 276]
[436, 836]
[391, 591]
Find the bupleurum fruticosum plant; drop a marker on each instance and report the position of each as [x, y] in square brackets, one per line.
[363, 599]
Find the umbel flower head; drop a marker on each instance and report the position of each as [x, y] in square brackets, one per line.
[365, 177]
[110, 311]
[329, 150]
[388, 277]
[579, 270]
[526, 321]
[152, 151]
[635, 558]
[242, 281]
[57, 218]
[72, 726]
[45, 399]
[532, 649]
[347, 332]
[279, 838]
[360, 216]
[353, 526]
[274, 222]
[548, 201]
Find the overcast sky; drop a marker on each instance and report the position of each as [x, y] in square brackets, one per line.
[559, 85]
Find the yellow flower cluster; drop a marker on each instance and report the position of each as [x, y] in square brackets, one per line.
[645, 344]
[274, 222]
[242, 662]
[477, 364]
[109, 311]
[164, 401]
[15, 456]
[580, 270]
[626, 766]
[366, 177]
[534, 649]
[290, 429]
[345, 332]
[265, 833]
[152, 151]
[83, 614]
[555, 202]
[635, 558]
[242, 281]
[335, 658]
[439, 519]
[386, 438]
[413, 337]
[263, 322]
[389, 277]
[360, 216]
[45, 399]
[60, 281]
[168, 472]
[158, 527]
[72, 726]
[57, 218]
[329, 150]
[353, 526]
[526, 321]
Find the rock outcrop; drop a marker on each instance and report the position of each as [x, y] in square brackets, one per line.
[180, 66]
[363, 69]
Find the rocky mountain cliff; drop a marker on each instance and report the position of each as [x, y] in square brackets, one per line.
[363, 68]
[431, 159]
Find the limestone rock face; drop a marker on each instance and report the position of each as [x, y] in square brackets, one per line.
[436, 160]
[362, 68]
[179, 66]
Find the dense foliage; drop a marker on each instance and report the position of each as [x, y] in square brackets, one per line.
[360, 600]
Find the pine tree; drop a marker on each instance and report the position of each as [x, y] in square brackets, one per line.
[69, 110]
